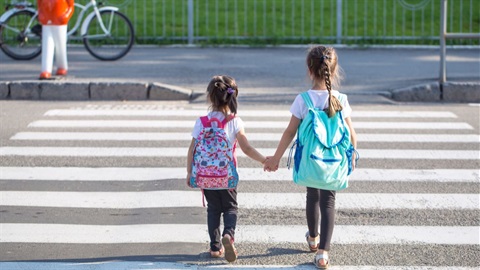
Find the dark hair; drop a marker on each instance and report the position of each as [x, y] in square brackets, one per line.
[222, 92]
[322, 62]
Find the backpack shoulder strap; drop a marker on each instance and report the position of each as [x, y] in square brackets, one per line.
[205, 121]
[307, 100]
[208, 122]
[227, 119]
[341, 97]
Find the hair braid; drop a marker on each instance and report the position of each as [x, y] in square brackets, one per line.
[322, 62]
[334, 104]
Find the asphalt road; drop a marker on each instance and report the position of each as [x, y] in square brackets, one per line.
[269, 79]
[15, 120]
[261, 71]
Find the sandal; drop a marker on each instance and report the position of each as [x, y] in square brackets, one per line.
[319, 257]
[312, 242]
[217, 254]
[230, 250]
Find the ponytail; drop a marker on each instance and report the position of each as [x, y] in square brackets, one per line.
[334, 104]
[232, 102]
[222, 92]
[322, 62]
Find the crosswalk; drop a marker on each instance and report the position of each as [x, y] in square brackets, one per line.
[103, 187]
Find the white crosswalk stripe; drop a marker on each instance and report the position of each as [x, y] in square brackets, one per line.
[247, 174]
[158, 199]
[251, 124]
[265, 113]
[87, 133]
[172, 136]
[164, 233]
[181, 152]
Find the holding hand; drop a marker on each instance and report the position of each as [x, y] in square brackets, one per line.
[271, 164]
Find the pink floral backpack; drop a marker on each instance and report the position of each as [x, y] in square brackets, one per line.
[214, 161]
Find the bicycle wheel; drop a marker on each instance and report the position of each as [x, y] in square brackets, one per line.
[20, 36]
[113, 45]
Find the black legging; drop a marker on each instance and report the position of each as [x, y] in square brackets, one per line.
[323, 201]
[218, 202]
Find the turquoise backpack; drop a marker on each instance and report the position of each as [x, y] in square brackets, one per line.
[323, 150]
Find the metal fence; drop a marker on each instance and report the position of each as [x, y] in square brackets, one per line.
[298, 21]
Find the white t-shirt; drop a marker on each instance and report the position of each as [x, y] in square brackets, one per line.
[320, 100]
[232, 128]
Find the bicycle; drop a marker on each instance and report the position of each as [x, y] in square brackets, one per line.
[106, 33]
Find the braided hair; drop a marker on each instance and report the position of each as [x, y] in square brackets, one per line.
[222, 93]
[322, 63]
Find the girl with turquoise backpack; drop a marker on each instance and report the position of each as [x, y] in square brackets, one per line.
[325, 147]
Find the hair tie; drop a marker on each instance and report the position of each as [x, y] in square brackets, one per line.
[323, 57]
[230, 90]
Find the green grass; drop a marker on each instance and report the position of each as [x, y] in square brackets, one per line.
[262, 22]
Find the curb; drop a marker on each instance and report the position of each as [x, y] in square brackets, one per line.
[76, 91]
[454, 92]
[461, 92]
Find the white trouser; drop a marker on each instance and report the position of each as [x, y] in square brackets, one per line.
[54, 41]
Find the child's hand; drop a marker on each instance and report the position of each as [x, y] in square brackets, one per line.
[354, 161]
[189, 175]
[270, 164]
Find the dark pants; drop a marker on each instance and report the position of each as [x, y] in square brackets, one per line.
[321, 201]
[218, 202]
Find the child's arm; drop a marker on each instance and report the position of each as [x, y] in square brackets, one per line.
[249, 150]
[353, 138]
[287, 137]
[189, 161]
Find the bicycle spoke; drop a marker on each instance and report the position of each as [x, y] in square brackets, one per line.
[10, 28]
[114, 43]
[17, 40]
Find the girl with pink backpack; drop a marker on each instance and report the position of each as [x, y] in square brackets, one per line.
[221, 198]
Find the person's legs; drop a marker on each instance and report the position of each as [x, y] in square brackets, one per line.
[313, 211]
[230, 211]
[48, 48]
[327, 209]
[60, 37]
[214, 212]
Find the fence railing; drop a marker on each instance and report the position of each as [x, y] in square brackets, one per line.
[444, 35]
[299, 21]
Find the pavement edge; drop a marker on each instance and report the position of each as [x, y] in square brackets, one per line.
[455, 92]
[450, 92]
[75, 91]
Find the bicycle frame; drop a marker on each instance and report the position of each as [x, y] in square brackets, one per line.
[97, 12]
[83, 10]
[84, 22]
[80, 21]
[16, 8]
